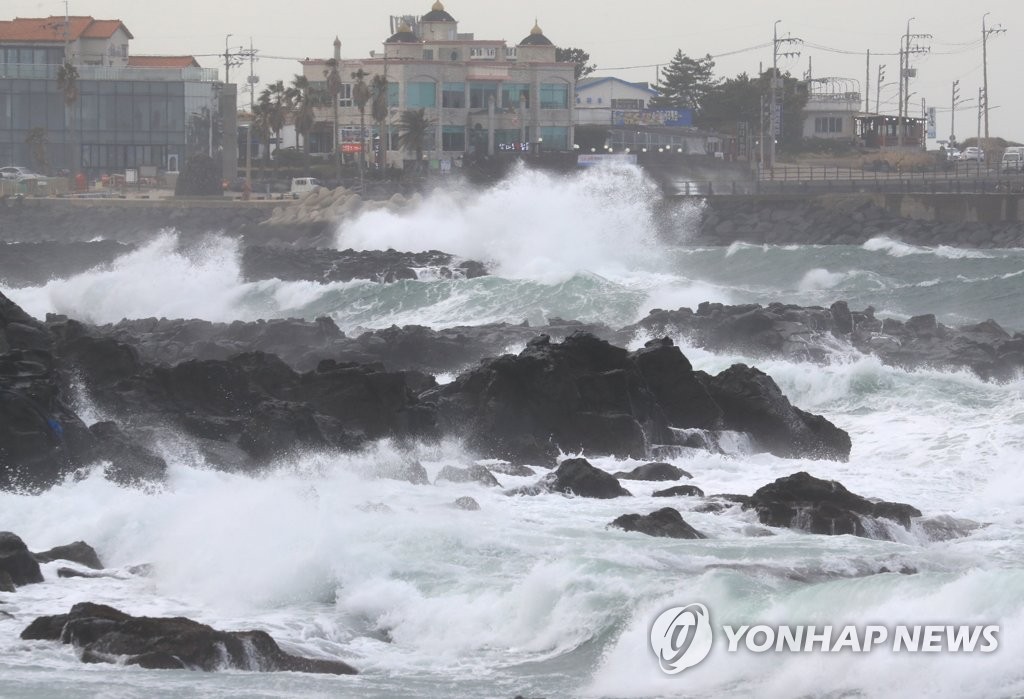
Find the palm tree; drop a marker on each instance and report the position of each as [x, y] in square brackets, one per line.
[261, 125]
[37, 139]
[360, 97]
[379, 111]
[302, 103]
[333, 90]
[67, 83]
[274, 99]
[415, 126]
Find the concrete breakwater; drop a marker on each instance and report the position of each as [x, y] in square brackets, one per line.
[957, 220]
[974, 221]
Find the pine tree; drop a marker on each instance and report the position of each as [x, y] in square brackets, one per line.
[685, 83]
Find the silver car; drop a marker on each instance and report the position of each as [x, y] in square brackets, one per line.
[18, 173]
[973, 153]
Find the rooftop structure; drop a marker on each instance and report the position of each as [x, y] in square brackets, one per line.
[482, 96]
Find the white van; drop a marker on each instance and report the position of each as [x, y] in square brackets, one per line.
[304, 185]
[1013, 159]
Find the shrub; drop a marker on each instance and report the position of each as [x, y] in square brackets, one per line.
[201, 177]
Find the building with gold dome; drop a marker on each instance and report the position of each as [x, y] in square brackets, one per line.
[482, 96]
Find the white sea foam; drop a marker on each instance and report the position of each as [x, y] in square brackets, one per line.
[536, 595]
[900, 249]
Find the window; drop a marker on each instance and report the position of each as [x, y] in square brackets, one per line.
[510, 53]
[454, 56]
[828, 125]
[555, 137]
[392, 94]
[453, 138]
[428, 54]
[453, 95]
[554, 96]
[488, 53]
[345, 95]
[481, 92]
[590, 100]
[627, 104]
[420, 94]
[511, 92]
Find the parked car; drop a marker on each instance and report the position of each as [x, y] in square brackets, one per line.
[973, 153]
[952, 155]
[18, 173]
[1012, 162]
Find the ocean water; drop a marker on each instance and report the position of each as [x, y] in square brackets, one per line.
[536, 595]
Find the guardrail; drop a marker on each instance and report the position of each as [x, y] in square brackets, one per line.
[42, 187]
[824, 180]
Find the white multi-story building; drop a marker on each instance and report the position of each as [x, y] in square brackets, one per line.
[598, 99]
[482, 96]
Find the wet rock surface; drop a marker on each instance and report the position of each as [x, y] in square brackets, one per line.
[107, 635]
[585, 393]
[815, 334]
[329, 265]
[801, 501]
[17, 564]
[666, 522]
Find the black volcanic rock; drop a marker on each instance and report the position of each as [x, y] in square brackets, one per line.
[679, 491]
[328, 265]
[105, 634]
[801, 501]
[586, 394]
[578, 477]
[17, 561]
[41, 439]
[814, 334]
[668, 373]
[304, 344]
[665, 522]
[752, 402]
[131, 462]
[656, 471]
[473, 474]
[77, 552]
[581, 393]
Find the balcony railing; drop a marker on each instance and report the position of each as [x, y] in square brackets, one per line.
[48, 71]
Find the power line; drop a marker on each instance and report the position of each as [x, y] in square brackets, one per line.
[714, 55]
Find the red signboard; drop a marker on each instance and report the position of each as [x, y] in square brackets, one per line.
[351, 147]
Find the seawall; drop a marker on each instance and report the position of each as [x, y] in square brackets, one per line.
[960, 220]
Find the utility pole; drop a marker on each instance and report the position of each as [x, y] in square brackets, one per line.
[952, 112]
[984, 61]
[981, 107]
[253, 78]
[904, 77]
[774, 129]
[878, 89]
[227, 59]
[867, 85]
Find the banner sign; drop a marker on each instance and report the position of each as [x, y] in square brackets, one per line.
[652, 117]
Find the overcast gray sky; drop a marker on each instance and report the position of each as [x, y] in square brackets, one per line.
[622, 34]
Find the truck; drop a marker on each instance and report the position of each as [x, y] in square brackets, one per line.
[303, 185]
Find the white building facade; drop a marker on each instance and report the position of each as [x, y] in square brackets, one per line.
[481, 96]
[598, 99]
